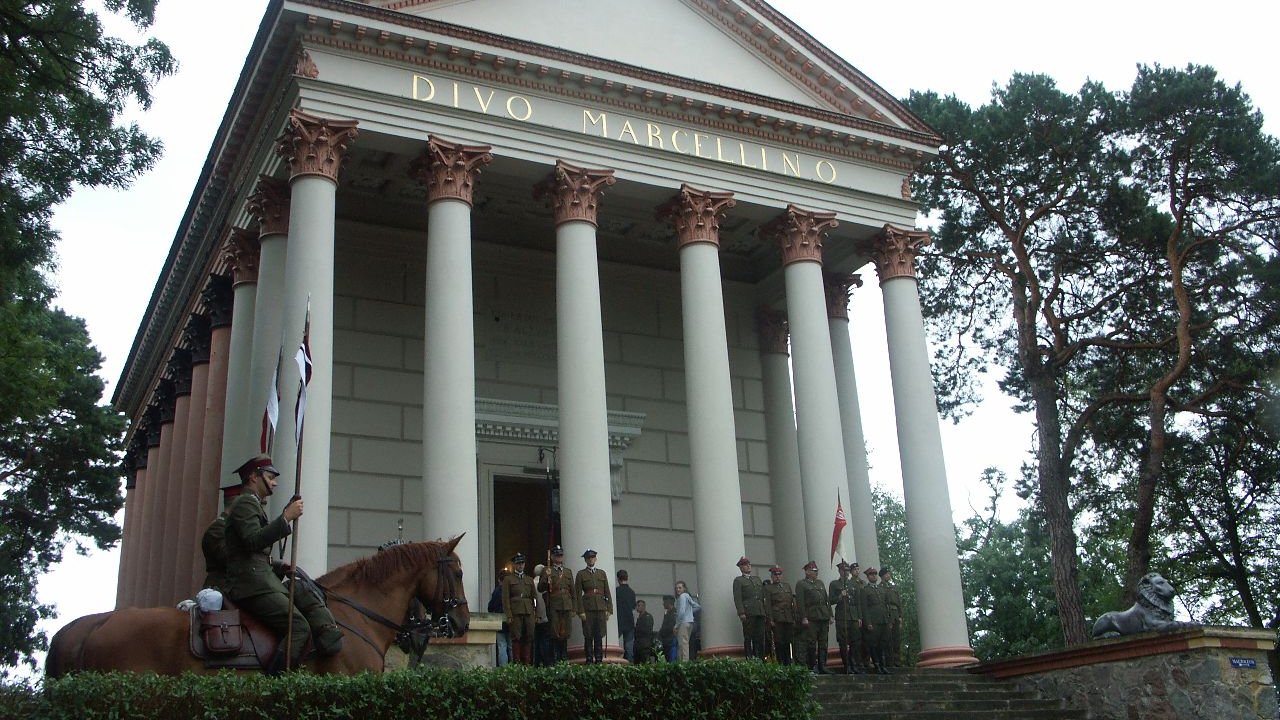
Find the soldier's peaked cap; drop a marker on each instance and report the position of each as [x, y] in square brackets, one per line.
[775, 570]
[557, 550]
[870, 571]
[811, 565]
[884, 571]
[517, 558]
[588, 553]
[743, 561]
[843, 564]
[257, 462]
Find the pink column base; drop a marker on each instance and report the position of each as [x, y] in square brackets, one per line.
[947, 657]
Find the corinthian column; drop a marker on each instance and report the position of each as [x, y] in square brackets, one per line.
[216, 297]
[261, 300]
[822, 469]
[175, 468]
[450, 498]
[791, 546]
[944, 634]
[862, 517]
[586, 504]
[314, 148]
[713, 443]
[135, 480]
[143, 572]
[196, 337]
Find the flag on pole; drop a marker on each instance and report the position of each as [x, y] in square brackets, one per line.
[271, 414]
[303, 358]
[839, 526]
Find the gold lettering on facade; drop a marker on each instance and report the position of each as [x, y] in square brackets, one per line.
[602, 120]
[528, 108]
[792, 163]
[628, 130]
[676, 146]
[825, 171]
[418, 82]
[655, 134]
[697, 144]
[484, 102]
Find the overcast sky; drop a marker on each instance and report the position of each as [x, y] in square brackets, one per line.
[114, 243]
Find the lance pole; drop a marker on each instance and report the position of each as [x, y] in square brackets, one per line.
[304, 368]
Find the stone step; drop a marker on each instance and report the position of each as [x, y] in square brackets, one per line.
[1056, 714]
[849, 709]
[1000, 694]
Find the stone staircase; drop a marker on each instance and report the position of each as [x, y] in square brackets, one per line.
[909, 694]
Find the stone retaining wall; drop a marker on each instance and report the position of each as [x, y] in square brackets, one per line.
[1215, 673]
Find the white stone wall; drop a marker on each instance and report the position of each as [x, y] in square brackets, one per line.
[376, 460]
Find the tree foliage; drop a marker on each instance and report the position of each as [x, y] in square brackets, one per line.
[1103, 249]
[895, 554]
[64, 85]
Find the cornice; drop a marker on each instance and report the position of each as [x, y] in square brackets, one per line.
[536, 423]
[573, 62]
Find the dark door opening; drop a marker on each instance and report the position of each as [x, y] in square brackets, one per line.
[526, 518]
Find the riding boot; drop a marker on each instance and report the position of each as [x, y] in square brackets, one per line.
[276, 666]
[844, 659]
[822, 662]
[880, 666]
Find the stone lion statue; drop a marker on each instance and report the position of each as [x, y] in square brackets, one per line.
[1152, 611]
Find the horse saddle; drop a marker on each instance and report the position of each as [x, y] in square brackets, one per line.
[228, 638]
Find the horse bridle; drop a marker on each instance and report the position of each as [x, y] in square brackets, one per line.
[408, 632]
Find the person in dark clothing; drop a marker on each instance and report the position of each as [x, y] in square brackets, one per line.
[667, 633]
[626, 606]
[645, 636]
[503, 644]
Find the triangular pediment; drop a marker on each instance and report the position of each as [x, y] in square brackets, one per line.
[737, 44]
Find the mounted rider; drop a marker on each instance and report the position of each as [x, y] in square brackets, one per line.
[254, 582]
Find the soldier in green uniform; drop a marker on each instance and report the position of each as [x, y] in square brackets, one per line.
[594, 603]
[843, 592]
[214, 547]
[892, 599]
[875, 618]
[556, 584]
[748, 598]
[519, 605]
[251, 579]
[814, 609]
[780, 608]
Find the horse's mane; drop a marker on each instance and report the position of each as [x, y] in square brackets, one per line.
[391, 561]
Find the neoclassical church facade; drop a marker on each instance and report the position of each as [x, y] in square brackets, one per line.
[571, 272]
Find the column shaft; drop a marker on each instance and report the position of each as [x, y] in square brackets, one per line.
[207, 506]
[243, 405]
[791, 548]
[187, 537]
[944, 634]
[451, 498]
[169, 507]
[140, 567]
[132, 508]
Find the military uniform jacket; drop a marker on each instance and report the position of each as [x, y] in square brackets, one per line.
[591, 591]
[558, 585]
[780, 602]
[213, 545]
[248, 542]
[748, 595]
[844, 595]
[811, 600]
[518, 595]
[892, 601]
[875, 611]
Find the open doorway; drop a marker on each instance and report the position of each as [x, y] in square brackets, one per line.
[526, 518]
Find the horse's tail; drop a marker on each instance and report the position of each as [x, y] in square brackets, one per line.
[65, 649]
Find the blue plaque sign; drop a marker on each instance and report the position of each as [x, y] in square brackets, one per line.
[1249, 663]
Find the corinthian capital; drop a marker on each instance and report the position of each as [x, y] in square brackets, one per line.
[314, 145]
[772, 327]
[269, 205]
[838, 286]
[574, 192]
[241, 250]
[696, 214]
[800, 233]
[894, 251]
[449, 169]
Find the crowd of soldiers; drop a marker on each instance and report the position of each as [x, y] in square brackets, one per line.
[777, 622]
[795, 625]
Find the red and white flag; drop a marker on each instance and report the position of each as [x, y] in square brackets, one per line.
[303, 358]
[271, 413]
[839, 527]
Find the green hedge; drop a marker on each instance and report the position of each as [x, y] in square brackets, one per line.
[715, 689]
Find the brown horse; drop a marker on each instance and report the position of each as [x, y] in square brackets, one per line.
[362, 596]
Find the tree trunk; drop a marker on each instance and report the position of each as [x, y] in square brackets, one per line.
[1055, 484]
